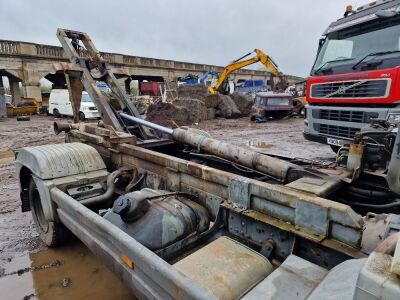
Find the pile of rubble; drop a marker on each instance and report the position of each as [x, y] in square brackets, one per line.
[167, 114]
[195, 104]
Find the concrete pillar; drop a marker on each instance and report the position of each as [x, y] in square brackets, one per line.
[128, 85]
[32, 91]
[15, 91]
[31, 81]
[3, 107]
[121, 83]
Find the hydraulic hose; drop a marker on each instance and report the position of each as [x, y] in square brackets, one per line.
[374, 206]
[369, 194]
[108, 193]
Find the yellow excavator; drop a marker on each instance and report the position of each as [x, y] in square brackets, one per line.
[260, 56]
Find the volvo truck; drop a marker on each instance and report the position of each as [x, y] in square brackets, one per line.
[355, 75]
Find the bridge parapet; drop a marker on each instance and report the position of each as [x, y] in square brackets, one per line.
[50, 51]
[42, 57]
[15, 48]
[9, 47]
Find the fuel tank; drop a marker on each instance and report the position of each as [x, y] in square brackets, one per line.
[157, 218]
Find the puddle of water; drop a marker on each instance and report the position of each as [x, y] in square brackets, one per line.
[259, 144]
[69, 272]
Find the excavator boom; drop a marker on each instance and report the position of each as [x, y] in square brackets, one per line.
[238, 64]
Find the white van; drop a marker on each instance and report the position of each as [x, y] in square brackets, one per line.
[60, 105]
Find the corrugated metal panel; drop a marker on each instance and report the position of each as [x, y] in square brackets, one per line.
[54, 161]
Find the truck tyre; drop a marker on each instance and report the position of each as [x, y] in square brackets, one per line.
[51, 233]
[56, 113]
[23, 118]
[82, 116]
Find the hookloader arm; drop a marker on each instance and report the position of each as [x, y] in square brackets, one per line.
[88, 66]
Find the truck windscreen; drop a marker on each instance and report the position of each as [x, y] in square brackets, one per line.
[343, 49]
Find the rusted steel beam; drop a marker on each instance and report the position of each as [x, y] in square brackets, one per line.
[266, 164]
[75, 89]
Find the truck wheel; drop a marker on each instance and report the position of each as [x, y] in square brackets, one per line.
[56, 113]
[51, 233]
[82, 116]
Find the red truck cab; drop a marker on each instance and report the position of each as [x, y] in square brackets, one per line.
[356, 74]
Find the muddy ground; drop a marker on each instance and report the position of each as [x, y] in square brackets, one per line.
[279, 137]
[28, 270]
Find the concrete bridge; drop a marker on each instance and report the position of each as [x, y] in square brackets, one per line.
[28, 63]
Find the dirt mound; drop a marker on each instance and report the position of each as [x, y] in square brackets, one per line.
[211, 113]
[227, 107]
[200, 92]
[196, 91]
[167, 114]
[197, 111]
[233, 106]
[212, 101]
[243, 102]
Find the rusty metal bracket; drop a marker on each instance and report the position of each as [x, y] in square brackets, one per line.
[75, 89]
[239, 193]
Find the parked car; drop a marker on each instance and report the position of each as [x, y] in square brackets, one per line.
[60, 105]
[299, 106]
[271, 105]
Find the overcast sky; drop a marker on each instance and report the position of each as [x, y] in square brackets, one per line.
[205, 31]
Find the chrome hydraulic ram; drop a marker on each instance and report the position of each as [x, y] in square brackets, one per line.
[263, 163]
[148, 124]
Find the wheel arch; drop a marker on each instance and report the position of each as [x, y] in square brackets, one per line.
[47, 163]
